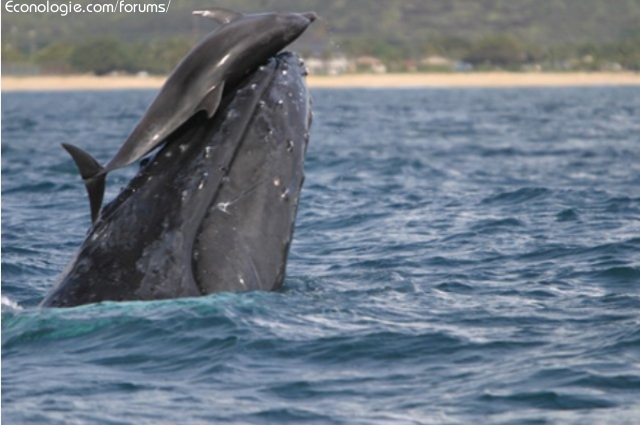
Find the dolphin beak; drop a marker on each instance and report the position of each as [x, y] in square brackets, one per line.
[311, 16]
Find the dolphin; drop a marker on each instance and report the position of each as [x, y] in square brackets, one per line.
[215, 65]
[213, 210]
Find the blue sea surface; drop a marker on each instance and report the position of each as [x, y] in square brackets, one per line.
[460, 256]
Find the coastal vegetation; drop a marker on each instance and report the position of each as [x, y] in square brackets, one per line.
[353, 36]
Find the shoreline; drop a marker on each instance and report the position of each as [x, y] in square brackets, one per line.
[467, 80]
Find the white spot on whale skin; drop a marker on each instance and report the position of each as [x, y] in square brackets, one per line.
[156, 137]
[284, 72]
[222, 206]
[285, 195]
[204, 180]
[269, 136]
[241, 281]
[207, 152]
[276, 182]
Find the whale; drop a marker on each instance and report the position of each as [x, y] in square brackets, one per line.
[214, 66]
[213, 210]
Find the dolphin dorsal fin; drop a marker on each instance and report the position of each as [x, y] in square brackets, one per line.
[93, 176]
[224, 16]
[211, 100]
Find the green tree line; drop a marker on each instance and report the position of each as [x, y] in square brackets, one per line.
[496, 51]
[104, 55]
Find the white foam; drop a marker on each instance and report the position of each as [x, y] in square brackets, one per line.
[11, 304]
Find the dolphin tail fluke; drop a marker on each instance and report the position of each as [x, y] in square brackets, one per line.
[93, 176]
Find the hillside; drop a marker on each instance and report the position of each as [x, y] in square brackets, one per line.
[404, 22]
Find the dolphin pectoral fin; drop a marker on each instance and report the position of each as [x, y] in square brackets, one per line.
[211, 100]
[93, 176]
[223, 16]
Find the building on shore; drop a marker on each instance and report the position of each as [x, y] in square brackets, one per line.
[370, 64]
[335, 65]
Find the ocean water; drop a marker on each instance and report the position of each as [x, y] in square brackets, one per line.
[460, 256]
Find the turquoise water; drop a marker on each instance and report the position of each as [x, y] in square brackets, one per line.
[460, 255]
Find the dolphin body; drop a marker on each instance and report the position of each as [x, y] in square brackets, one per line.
[213, 210]
[214, 66]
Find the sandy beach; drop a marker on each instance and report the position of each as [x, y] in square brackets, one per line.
[496, 79]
